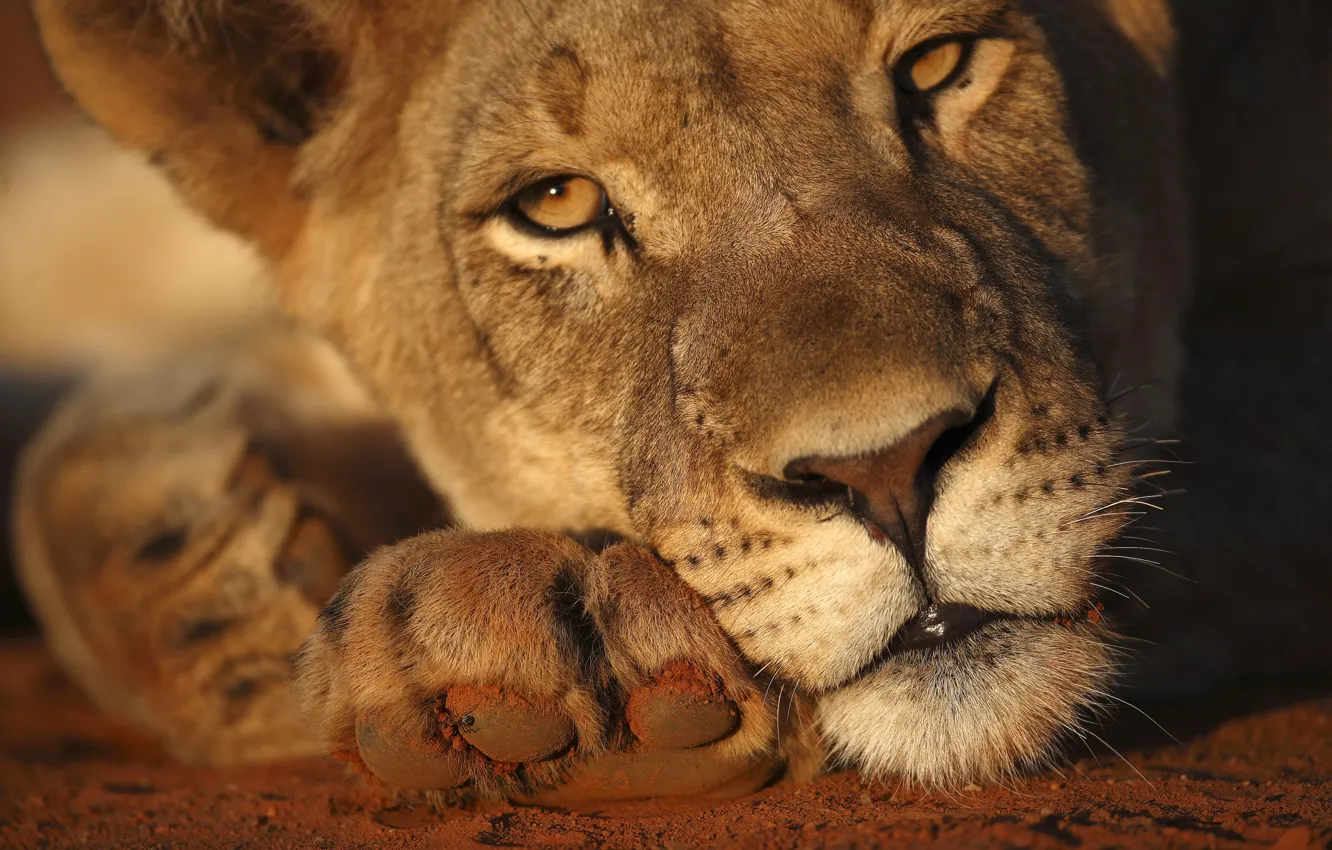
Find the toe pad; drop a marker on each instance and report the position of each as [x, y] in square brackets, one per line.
[506, 727]
[680, 709]
[407, 759]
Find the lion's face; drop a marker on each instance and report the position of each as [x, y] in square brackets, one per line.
[807, 295]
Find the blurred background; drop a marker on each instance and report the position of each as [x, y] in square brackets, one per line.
[28, 93]
[67, 304]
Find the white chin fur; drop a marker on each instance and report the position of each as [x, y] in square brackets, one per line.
[991, 706]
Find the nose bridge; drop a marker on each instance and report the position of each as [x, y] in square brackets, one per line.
[844, 341]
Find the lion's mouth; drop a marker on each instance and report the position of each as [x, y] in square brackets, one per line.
[939, 626]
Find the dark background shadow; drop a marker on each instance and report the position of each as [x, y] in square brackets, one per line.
[25, 402]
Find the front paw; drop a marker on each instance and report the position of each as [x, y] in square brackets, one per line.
[522, 665]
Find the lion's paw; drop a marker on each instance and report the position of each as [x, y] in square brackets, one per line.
[522, 665]
[179, 529]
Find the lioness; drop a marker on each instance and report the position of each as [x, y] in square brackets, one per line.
[773, 364]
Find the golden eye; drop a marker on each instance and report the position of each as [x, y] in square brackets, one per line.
[928, 68]
[562, 204]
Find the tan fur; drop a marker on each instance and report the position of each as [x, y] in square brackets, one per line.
[809, 267]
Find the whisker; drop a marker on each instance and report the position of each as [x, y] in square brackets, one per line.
[1151, 441]
[1137, 548]
[767, 690]
[1113, 396]
[1110, 590]
[1120, 558]
[1133, 593]
[1138, 514]
[1152, 564]
[1147, 461]
[1162, 491]
[1010, 785]
[1143, 427]
[1106, 744]
[1137, 640]
[840, 513]
[1143, 501]
[1156, 474]
[1133, 523]
[535, 30]
[1090, 751]
[956, 802]
[1153, 720]
[1113, 384]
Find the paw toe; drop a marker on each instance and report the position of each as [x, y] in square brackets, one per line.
[680, 709]
[406, 759]
[508, 728]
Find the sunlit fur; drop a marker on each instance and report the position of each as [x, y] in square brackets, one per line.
[811, 264]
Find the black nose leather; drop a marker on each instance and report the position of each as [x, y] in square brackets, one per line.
[892, 488]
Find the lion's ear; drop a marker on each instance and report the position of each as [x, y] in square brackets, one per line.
[223, 94]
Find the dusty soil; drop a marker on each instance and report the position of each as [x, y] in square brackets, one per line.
[1246, 775]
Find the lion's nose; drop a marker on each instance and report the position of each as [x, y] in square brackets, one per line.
[891, 489]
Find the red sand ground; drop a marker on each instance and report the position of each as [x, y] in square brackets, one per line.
[70, 778]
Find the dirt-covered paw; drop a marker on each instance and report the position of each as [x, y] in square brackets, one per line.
[525, 666]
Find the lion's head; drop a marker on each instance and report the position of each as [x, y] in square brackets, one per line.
[822, 300]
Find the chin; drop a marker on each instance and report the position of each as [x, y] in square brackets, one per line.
[991, 704]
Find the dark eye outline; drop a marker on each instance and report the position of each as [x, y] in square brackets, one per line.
[902, 72]
[513, 211]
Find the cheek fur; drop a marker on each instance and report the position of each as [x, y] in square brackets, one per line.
[813, 605]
